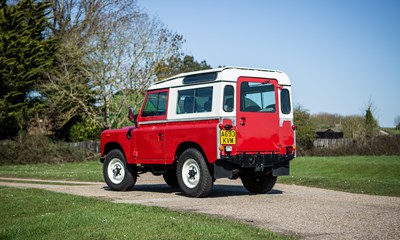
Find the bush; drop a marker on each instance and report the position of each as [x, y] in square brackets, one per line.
[305, 129]
[27, 149]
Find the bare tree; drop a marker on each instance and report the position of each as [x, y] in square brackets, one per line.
[353, 127]
[108, 53]
[123, 59]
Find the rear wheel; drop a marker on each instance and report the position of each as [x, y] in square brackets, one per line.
[116, 173]
[171, 178]
[194, 177]
[259, 184]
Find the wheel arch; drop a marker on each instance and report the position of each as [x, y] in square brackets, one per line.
[186, 145]
[111, 146]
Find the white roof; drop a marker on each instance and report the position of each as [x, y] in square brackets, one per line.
[225, 74]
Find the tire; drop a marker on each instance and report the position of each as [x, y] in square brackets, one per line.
[259, 184]
[116, 173]
[194, 177]
[171, 179]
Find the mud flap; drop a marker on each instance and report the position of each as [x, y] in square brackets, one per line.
[281, 169]
[223, 170]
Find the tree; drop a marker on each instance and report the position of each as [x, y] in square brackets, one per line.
[70, 99]
[176, 64]
[305, 130]
[353, 127]
[105, 62]
[371, 125]
[397, 122]
[26, 52]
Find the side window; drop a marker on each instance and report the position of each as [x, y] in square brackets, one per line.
[228, 99]
[257, 97]
[156, 104]
[285, 101]
[194, 100]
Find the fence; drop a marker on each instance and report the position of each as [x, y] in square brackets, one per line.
[332, 142]
[93, 146]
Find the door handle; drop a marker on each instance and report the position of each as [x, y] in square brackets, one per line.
[160, 137]
[242, 121]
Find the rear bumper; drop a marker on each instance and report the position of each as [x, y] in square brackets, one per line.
[259, 162]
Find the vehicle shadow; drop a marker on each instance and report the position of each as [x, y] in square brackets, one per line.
[219, 190]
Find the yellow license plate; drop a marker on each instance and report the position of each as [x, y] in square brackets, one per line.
[228, 136]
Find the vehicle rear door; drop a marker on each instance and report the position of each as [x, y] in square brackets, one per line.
[257, 114]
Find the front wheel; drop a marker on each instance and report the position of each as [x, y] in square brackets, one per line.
[116, 172]
[194, 177]
[259, 184]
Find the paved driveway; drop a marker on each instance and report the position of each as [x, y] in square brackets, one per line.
[309, 213]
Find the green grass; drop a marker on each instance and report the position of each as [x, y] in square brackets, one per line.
[392, 131]
[377, 175]
[39, 214]
[84, 171]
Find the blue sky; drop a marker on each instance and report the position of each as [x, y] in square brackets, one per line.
[339, 54]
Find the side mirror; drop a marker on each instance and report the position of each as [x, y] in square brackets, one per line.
[132, 117]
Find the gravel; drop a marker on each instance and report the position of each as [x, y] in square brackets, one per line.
[304, 212]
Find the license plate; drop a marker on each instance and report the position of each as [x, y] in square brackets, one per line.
[228, 137]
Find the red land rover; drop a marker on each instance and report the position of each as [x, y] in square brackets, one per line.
[196, 127]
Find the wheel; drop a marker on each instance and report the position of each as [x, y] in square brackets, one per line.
[171, 178]
[194, 178]
[116, 173]
[259, 184]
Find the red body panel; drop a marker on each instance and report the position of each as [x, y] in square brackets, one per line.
[147, 147]
[202, 133]
[116, 137]
[257, 131]
[286, 135]
[157, 143]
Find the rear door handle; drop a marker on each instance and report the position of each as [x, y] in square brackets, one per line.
[242, 121]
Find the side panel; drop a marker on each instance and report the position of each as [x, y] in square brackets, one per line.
[157, 143]
[287, 134]
[201, 133]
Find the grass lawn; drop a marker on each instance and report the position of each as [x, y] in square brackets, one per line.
[84, 171]
[39, 214]
[378, 175]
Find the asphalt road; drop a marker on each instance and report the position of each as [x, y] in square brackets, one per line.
[308, 213]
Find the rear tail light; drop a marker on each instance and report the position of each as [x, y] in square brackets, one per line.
[293, 127]
[290, 150]
[226, 149]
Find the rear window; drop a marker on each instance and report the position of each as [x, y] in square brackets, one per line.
[257, 97]
[228, 103]
[285, 102]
